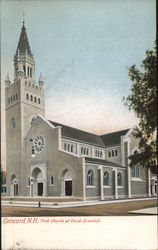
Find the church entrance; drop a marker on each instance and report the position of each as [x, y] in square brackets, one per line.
[68, 188]
[37, 185]
[66, 183]
[40, 188]
[14, 188]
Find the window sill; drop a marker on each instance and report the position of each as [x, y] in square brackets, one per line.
[120, 186]
[51, 185]
[136, 179]
[106, 187]
[90, 186]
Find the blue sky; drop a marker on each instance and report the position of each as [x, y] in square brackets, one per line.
[82, 49]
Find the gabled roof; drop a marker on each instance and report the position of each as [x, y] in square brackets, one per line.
[105, 140]
[114, 138]
[101, 162]
[23, 45]
[79, 135]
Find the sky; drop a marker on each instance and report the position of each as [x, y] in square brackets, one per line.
[83, 49]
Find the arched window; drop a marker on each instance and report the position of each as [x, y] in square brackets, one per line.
[90, 178]
[24, 69]
[81, 150]
[27, 96]
[106, 179]
[109, 154]
[112, 153]
[30, 72]
[71, 148]
[31, 98]
[119, 179]
[13, 123]
[68, 147]
[39, 101]
[87, 151]
[136, 168]
[115, 152]
[51, 180]
[35, 99]
[84, 151]
[33, 120]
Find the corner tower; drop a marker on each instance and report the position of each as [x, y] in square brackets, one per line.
[24, 100]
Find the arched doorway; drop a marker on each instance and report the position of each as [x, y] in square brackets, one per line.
[14, 191]
[37, 183]
[66, 183]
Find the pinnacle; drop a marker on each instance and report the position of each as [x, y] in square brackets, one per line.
[23, 45]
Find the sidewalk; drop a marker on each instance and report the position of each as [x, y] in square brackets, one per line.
[45, 204]
[151, 210]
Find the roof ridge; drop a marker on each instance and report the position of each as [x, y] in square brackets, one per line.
[116, 131]
[74, 128]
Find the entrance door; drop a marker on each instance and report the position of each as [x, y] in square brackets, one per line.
[40, 188]
[68, 188]
[15, 189]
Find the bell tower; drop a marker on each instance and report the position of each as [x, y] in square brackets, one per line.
[24, 100]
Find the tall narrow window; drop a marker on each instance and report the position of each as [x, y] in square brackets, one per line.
[28, 71]
[119, 179]
[31, 98]
[35, 99]
[24, 69]
[106, 179]
[90, 178]
[27, 96]
[112, 153]
[136, 168]
[51, 180]
[31, 72]
[72, 148]
[65, 146]
[109, 154]
[39, 101]
[115, 152]
[16, 96]
[81, 150]
[13, 123]
[87, 151]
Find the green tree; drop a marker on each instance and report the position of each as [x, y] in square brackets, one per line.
[143, 101]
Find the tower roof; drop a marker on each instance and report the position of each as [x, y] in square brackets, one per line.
[23, 45]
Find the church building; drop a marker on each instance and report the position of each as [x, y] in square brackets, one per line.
[45, 158]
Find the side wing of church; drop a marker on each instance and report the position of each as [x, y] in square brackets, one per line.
[45, 158]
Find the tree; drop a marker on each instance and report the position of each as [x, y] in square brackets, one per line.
[143, 101]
